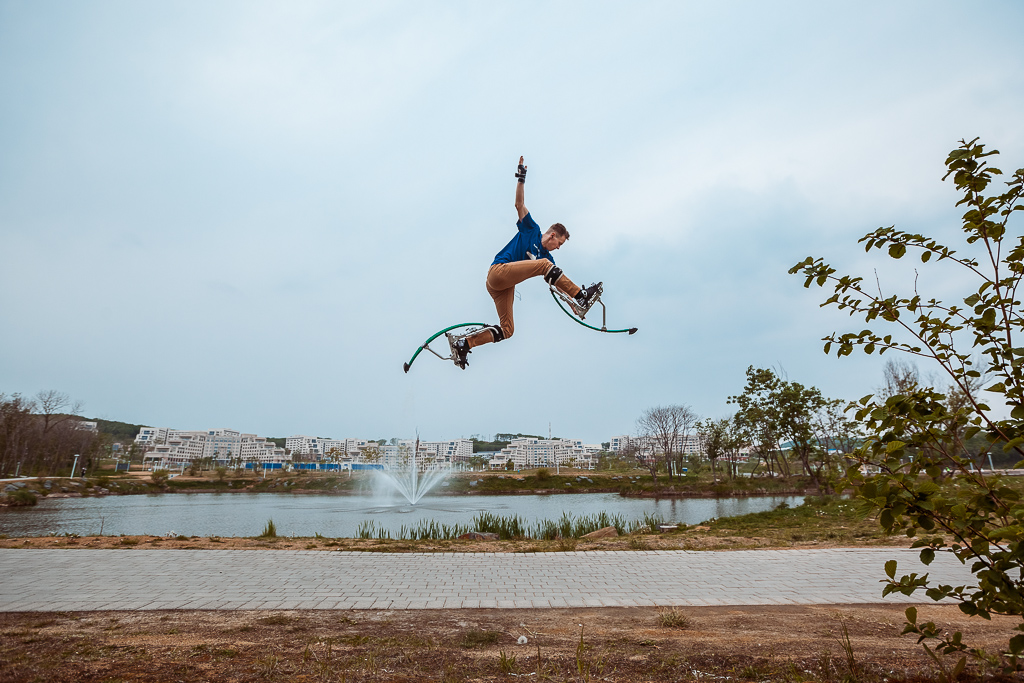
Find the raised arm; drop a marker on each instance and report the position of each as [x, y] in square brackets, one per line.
[521, 190]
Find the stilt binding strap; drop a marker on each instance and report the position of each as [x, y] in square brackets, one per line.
[551, 277]
[497, 333]
[521, 174]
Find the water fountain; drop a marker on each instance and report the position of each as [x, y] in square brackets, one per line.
[407, 479]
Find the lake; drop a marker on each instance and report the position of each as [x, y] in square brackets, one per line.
[245, 514]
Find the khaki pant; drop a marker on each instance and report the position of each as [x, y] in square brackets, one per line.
[502, 279]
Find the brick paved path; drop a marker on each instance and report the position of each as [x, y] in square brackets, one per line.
[89, 579]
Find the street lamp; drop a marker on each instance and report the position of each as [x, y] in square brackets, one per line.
[73, 465]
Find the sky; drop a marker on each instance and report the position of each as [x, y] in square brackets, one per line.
[250, 214]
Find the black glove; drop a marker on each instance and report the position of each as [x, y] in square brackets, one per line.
[521, 174]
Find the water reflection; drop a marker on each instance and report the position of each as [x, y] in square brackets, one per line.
[245, 514]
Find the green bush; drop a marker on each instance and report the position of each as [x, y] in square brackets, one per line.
[270, 530]
[916, 434]
[22, 497]
[543, 474]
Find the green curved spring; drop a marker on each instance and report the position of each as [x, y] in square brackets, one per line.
[631, 330]
[435, 336]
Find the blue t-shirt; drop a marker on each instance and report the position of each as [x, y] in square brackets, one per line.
[525, 245]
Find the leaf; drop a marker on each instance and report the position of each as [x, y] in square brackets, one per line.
[927, 555]
[958, 669]
[911, 612]
[897, 251]
[890, 571]
[925, 255]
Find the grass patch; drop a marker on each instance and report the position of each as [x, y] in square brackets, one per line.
[276, 620]
[673, 617]
[824, 518]
[511, 527]
[507, 663]
[474, 638]
[638, 543]
[22, 498]
[270, 530]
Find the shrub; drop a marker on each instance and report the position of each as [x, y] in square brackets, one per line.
[673, 617]
[22, 497]
[919, 436]
[270, 530]
[474, 638]
[159, 477]
[543, 473]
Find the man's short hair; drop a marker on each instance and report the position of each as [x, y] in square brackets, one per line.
[559, 230]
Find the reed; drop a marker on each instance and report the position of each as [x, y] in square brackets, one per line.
[513, 527]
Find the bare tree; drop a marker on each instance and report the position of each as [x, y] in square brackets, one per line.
[56, 408]
[42, 434]
[665, 429]
[15, 431]
[900, 377]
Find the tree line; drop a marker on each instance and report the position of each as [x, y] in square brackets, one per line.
[40, 435]
[790, 429]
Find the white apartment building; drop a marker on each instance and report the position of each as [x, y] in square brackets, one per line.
[150, 436]
[618, 443]
[431, 454]
[321, 448]
[222, 445]
[687, 444]
[528, 453]
[391, 455]
[588, 448]
[180, 448]
[346, 448]
[305, 445]
[449, 451]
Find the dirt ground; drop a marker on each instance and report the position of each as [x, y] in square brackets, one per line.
[694, 538]
[778, 643]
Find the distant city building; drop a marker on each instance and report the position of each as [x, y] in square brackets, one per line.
[344, 448]
[151, 436]
[87, 425]
[528, 453]
[431, 454]
[457, 450]
[222, 446]
[687, 444]
[305, 445]
[395, 454]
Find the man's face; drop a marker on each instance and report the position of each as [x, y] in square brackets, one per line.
[551, 241]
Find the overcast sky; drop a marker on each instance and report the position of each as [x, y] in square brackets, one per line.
[249, 215]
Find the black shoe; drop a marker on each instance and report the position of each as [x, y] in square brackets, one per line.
[587, 297]
[460, 349]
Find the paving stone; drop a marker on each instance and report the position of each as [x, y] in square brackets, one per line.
[38, 579]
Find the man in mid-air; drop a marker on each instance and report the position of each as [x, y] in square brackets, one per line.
[527, 255]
